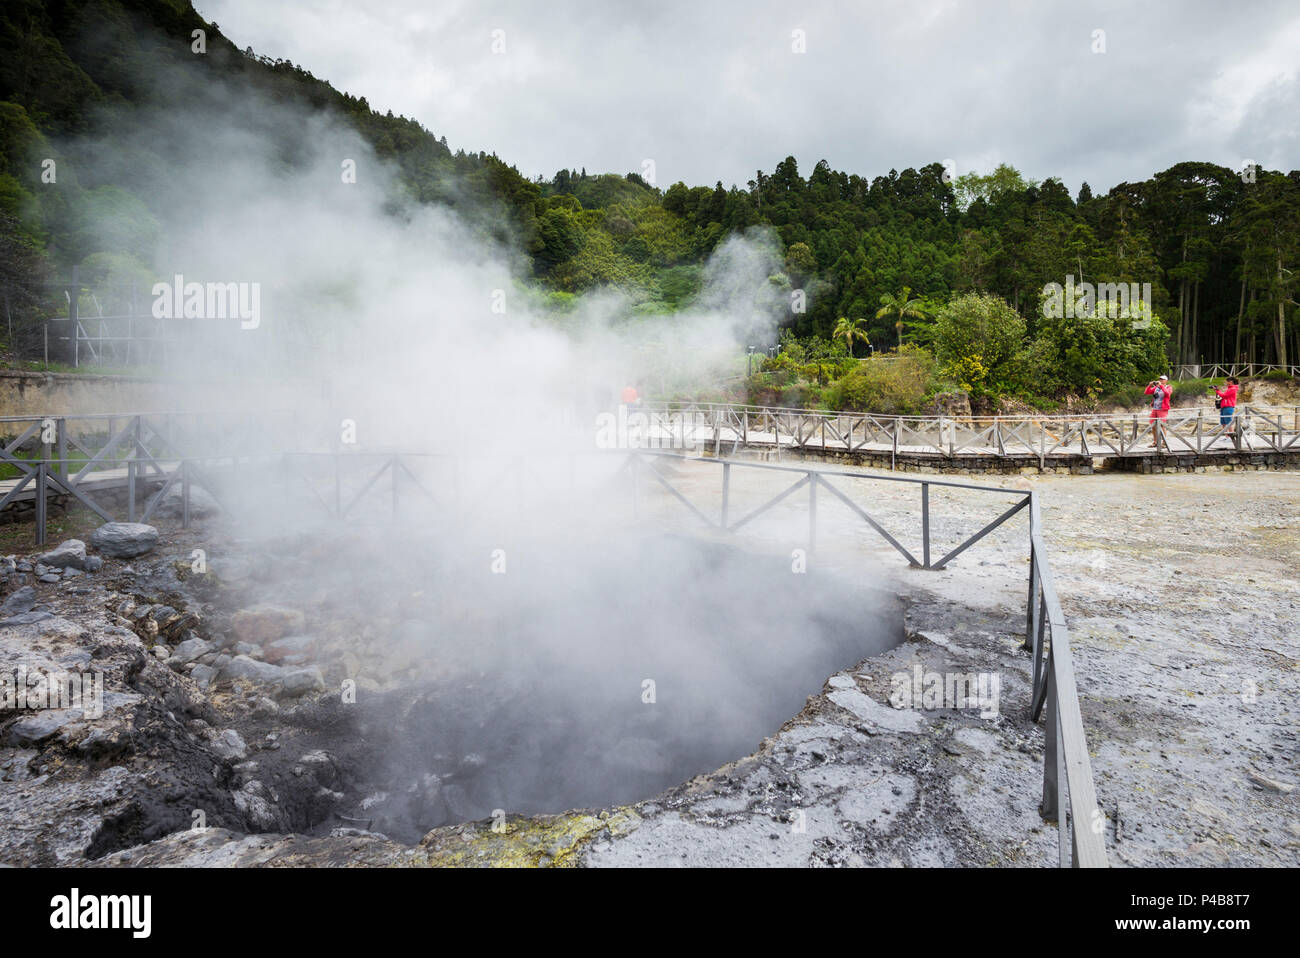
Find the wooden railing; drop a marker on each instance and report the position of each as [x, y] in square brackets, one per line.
[1195, 431]
[1223, 370]
[1069, 796]
[1080, 823]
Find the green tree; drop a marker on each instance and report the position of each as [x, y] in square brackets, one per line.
[977, 339]
[903, 306]
[851, 331]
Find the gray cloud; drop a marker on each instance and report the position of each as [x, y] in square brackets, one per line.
[713, 91]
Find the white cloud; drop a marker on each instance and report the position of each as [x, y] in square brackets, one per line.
[713, 91]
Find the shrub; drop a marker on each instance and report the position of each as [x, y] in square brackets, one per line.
[977, 339]
[895, 385]
[1101, 351]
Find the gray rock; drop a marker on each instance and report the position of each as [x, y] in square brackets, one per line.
[93, 564]
[49, 577]
[26, 618]
[203, 674]
[187, 652]
[35, 729]
[121, 700]
[290, 645]
[20, 601]
[250, 802]
[71, 553]
[124, 540]
[242, 667]
[301, 681]
[71, 572]
[99, 739]
[15, 768]
[230, 745]
[1263, 781]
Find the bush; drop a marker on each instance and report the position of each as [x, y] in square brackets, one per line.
[782, 389]
[896, 385]
[1097, 353]
[978, 339]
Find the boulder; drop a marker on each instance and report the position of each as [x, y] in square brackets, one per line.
[187, 652]
[242, 667]
[35, 729]
[229, 745]
[301, 681]
[124, 540]
[71, 553]
[250, 801]
[291, 648]
[20, 601]
[26, 618]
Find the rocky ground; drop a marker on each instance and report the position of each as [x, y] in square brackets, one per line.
[1180, 592]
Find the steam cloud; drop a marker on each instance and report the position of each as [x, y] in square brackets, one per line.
[521, 690]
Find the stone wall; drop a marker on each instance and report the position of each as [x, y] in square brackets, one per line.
[69, 394]
[74, 394]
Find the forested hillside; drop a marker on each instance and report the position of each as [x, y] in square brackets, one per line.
[878, 254]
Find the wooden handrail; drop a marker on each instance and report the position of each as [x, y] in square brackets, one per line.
[1067, 746]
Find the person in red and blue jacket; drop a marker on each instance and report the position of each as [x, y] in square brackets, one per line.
[1227, 403]
[1160, 392]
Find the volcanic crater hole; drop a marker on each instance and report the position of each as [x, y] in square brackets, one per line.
[594, 674]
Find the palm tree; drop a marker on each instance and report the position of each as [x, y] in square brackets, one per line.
[851, 330]
[901, 306]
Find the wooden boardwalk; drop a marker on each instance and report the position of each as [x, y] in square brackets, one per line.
[102, 480]
[1048, 440]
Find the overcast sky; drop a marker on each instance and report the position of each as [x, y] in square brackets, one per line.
[714, 90]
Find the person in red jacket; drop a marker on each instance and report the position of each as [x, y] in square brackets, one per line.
[1227, 404]
[1160, 392]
